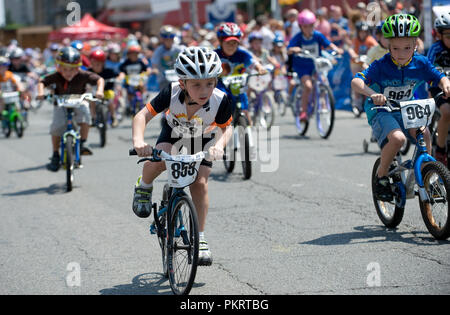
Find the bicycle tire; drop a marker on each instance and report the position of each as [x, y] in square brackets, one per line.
[229, 162]
[102, 125]
[7, 129]
[438, 227]
[392, 219]
[325, 133]
[19, 127]
[185, 239]
[244, 140]
[69, 162]
[282, 100]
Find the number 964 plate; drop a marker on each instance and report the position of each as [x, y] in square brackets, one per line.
[417, 113]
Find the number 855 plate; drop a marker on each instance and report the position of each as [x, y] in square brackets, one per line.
[417, 113]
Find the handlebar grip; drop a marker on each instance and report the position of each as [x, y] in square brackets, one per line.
[132, 152]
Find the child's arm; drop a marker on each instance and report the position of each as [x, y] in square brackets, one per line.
[40, 94]
[338, 50]
[444, 84]
[100, 88]
[360, 87]
[216, 151]
[140, 121]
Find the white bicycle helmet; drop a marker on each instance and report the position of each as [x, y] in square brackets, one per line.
[442, 21]
[198, 63]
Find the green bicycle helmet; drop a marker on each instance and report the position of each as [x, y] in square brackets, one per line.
[401, 25]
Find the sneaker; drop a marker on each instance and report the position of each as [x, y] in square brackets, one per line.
[142, 200]
[55, 163]
[86, 151]
[441, 157]
[303, 117]
[383, 191]
[204, 254]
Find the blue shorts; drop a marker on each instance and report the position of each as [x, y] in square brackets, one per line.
[304, 68]
[383, 123]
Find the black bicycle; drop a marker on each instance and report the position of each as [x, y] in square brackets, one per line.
[175, 221]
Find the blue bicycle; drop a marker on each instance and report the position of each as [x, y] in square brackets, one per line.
[70, 141]
[175, 222]
[431, 178]
[321, 101]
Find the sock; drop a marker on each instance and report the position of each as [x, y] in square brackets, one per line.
[201, 235]
[144, 185]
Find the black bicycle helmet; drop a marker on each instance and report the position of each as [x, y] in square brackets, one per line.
[69, 56]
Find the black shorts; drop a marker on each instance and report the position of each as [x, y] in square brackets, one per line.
[191, 144]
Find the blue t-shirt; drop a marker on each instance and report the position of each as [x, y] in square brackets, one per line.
[237, 63]
[439, 55]
[314, 45]
[398, 82]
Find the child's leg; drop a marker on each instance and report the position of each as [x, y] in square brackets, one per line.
[152, 170]
[199, 193]
[442, 127]
[396, 140]
[306, 92]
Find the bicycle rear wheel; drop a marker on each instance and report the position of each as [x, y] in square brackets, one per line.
[19, 126]
[435, 212]
[267, 111]
[102, 118]
[325, 111]
[182, 246]
[390, 213]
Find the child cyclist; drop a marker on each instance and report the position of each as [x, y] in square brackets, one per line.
[439, 55]
[235, 60]
[396, 75]
[313, 41]
[69, 79]
[192, 103]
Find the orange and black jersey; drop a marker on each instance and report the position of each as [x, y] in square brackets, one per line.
[217, 112]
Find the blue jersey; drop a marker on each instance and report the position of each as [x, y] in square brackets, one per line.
[385, 76]
[314, 45]
[439, 55]
[237, 63]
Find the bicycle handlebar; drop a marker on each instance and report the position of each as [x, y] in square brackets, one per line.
[392, 105]
[159, 155]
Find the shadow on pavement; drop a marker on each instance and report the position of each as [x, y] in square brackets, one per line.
[376, 234]
[51, 190]
[144, 284]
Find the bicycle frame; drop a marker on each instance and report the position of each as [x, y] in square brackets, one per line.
[76, 136]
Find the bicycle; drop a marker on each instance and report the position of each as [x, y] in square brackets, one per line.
[175, 221]
[12, 118]
[242, 133]
[70, 141]
[135, 83]
[431, 177]
[321, 101]
[261, 101]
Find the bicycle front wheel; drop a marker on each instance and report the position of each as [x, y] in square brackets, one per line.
[325, 111]
[69, 162]
[390, 213]
[182, 246]
[435, 211]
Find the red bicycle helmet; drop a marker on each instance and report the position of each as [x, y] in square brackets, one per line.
[98, 55]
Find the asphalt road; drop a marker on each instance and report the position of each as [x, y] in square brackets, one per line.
[304, 224]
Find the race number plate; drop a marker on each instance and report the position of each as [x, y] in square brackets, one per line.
[182, 174]
[417, 113]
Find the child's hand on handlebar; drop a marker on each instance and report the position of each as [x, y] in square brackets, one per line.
[143, 149]
[215, 153]
[378, 99]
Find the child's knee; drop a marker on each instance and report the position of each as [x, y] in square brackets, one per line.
[397, 138]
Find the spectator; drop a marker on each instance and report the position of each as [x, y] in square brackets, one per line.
[322, 24]
[267, 34]
[339, 25]
[291, 17]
